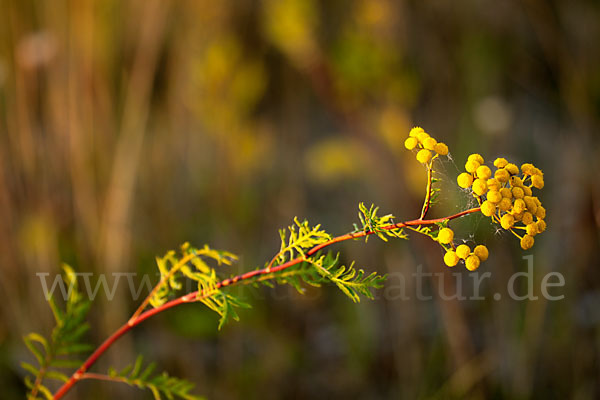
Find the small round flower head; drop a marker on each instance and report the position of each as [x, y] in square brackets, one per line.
[482, 252]
[527, 218]
[475, 157]
[519, 206]
[441, 149]
[483, 172]
[500, 162]
[505, 204]
[527, 168]
[527, 242]
[472, 165]
[463, 251]
[494, 196]
[531, 229]
[429, 143]
[465, 180]
[423, 156]
[527, 190]
[411, 143]
[415, 131]
[450, 258]
[541, 225]
[501, 175]
[488, 208]
[512, 169]
[493, 184]
[479, 187]
[506, 192]
[518, 193]
[516, 181]
[540, 213]
[537, 181]
[446, 236]
[421, 136]
[472, 262]
[530, 203]
[507, 221]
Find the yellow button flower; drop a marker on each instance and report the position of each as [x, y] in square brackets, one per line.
[411, 143]
[505, 204]
[488, 208]
[429, 143]
[527, 218]
[500, 162]
[415, 131]
[501, 175]
[446, 236]
[463, 251]
[475, 157]
[479, 187]
[516, 181]
[518, 193]
[527, 242]
[465, 180]
[484, 172]
[527, 169]
[472, 262]
[450, 258]
[531, 229]
[519, 206]
[540, 213]
[482, 252]
[507, 221]
[512, 169]
[537, 181]
[493, 184]
[541, 225]
[471, 166]
[506, 192]
[494, 196]
[441, 149]
[423, 156]
[422, 136]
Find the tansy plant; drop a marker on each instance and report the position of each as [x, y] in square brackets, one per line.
[507, 198]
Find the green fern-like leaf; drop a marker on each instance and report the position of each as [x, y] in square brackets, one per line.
[372, 223]
[159, 384]
[65, 342]
[351, 281]
[301, 238]
[319, 269]
[191, 264]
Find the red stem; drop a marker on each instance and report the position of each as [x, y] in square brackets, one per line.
[195, 296]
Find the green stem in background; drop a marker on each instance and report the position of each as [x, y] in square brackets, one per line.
[140, 316]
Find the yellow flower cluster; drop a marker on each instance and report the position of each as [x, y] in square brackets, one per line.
[454, 254]
[426, 146]
[507, 196]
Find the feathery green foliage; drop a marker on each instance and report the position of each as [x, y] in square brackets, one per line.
[191, 265]
[349, 280]
[64, 344]
[143, 377]
[301, 238]
[371, 222]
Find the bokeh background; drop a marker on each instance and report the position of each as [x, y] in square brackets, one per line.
[130, 127]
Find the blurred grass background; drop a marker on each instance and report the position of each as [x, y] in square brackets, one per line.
[129, 127]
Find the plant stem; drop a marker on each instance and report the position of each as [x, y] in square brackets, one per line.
[196, 296]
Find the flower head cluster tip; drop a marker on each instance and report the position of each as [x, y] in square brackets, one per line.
[426, 146]
[507, 196]
[454, 254]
